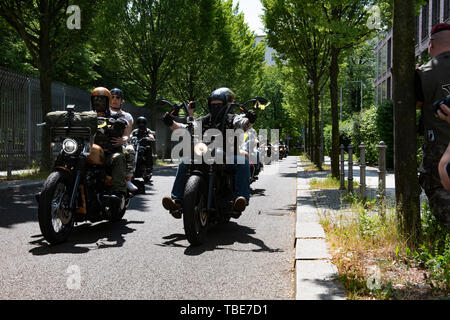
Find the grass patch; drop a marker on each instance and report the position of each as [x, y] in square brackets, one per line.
[160, 162]
[329, 183]
[30, 174]
[373, 260]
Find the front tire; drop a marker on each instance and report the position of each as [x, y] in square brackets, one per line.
[56, 220]
[195, 217]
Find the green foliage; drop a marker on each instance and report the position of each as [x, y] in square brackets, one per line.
[385, 129]
[434, 252]
[369, 225]
[365, 130]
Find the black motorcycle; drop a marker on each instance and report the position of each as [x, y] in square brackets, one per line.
[209, 189]
[78, 188]
[144, 150]
[282, 149]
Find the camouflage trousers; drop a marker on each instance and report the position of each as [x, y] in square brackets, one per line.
[438, 197]
[116, 161]
[129, 153]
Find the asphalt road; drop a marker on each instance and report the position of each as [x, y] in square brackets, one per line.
[147, 256]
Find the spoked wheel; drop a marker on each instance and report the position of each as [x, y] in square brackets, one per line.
[195, 217]
[55, 217]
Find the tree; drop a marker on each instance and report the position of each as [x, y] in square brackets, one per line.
[41, 24]
[294, 30]
[147, 37]
[407, 189]
[219, 51]
[346, 21]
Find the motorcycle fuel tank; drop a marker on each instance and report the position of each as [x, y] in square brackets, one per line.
[96, 155]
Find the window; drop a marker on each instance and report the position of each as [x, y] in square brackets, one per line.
[380, 62]
[416, 28]
[389, 51]
[380, 95]
[389, 95]
[376, 95]
[436, 12]
[383, 94]
[446, 9]
[425, 21]
[384, 59]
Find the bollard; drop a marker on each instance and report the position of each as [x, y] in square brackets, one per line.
[362, 171]
[350, 168]
[382, 179]
[342, 168]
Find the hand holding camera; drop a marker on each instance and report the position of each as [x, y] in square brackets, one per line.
[437, 106]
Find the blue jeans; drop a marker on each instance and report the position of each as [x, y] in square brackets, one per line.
[241, 180]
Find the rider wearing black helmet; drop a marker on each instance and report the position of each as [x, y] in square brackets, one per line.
[218, 103]
[142, 131]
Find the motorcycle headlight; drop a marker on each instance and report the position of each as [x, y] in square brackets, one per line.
[200, 148]
[69, 146]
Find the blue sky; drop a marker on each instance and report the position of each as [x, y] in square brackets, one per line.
[252, 10]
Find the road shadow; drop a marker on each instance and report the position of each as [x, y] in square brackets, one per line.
[165, 171]
[86, 237]
[18, 207]
[257, 192]
[220, 237]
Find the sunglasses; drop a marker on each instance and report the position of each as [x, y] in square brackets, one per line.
[217, 105]
[117, 97]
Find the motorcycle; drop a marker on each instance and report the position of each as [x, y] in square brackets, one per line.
[77, 189]
[282, 150]
[208, 194]
[143, 148]
[256, 166]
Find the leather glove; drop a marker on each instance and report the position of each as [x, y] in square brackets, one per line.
[168, 119]
[252, 116]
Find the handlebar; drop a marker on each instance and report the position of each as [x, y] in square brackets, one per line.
[175, 107]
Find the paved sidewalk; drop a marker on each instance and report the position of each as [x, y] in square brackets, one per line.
[315, 274]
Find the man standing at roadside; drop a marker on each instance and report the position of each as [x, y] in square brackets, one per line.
[433, 83]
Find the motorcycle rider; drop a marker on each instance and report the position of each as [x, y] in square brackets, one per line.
[217, 103]
[129, 152]
[140, 132]
[112, 146]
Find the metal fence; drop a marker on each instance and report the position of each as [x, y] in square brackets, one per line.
[20, 112]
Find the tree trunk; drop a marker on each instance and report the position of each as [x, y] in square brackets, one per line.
[310, 127]
[407, 189]
[317, 160]
[334, 73]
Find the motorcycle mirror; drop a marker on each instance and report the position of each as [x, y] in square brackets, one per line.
[162, 101]
[261, 100]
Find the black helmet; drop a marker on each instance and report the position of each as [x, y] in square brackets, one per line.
[218, 111]
[117, 92]
[141, 122]
[223, 94]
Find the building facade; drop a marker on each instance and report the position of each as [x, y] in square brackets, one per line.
[434, 12]
[269, 57]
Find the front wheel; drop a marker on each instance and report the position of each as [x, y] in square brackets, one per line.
[55, 217]
[195, 217]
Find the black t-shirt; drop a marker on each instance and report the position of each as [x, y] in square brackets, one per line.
[418, 87]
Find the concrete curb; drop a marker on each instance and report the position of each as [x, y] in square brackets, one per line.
[22, 185]
[315, 274]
